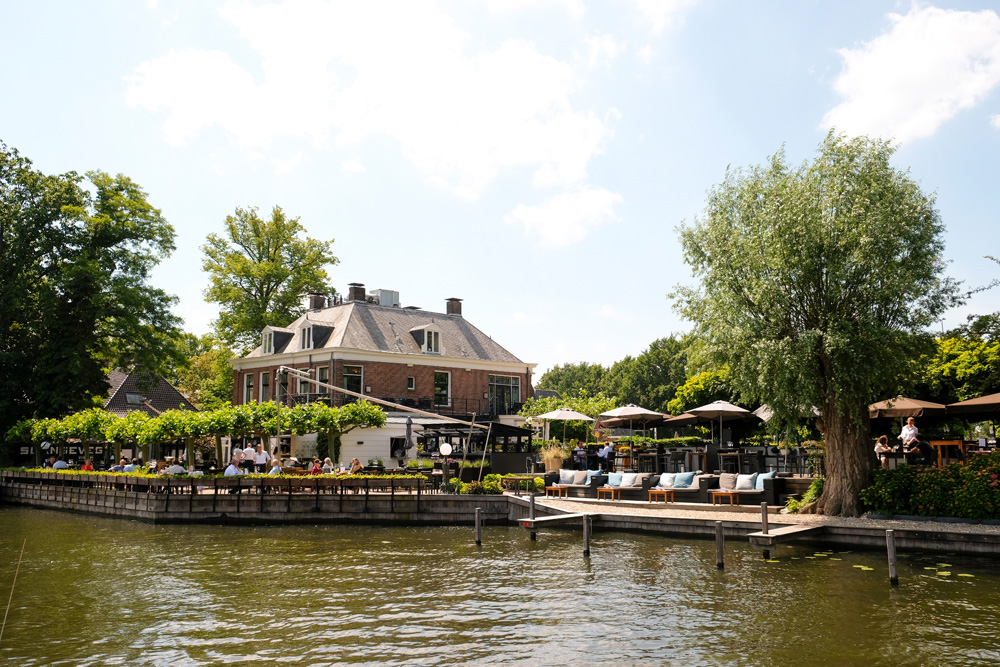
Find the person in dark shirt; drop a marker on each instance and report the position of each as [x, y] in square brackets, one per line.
[920, 451]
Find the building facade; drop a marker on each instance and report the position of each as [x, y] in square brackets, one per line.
[368, 344]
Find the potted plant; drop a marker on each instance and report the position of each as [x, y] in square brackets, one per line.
[785, 447]
[552, 457]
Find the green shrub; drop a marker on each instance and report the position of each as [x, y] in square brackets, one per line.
[811, 495]
[969, 491]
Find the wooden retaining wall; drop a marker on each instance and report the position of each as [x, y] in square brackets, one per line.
[235, 500]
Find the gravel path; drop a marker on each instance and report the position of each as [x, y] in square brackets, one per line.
[690, 511]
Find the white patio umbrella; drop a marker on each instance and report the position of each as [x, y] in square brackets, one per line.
[564, 414]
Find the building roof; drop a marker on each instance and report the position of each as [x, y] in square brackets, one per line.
[143, 391]
[359, 325]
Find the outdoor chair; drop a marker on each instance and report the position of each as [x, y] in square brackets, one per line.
[676, 461]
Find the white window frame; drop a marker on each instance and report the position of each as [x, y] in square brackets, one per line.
[515, 383]
[267, 342]
[447, 402]
[306, 338]
[432, 341]
[248, 387]
[322, 375]
[411, 383]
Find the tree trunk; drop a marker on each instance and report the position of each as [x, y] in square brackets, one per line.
[218, 451]
[848, 468]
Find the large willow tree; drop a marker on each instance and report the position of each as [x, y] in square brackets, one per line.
[816, 283]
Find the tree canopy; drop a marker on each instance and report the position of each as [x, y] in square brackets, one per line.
[815, 282]
[259, 272]
[75, 300]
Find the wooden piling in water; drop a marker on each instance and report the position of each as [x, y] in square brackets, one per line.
[479, 528]
[531, 515]
[763, 527]
[586, 536]
[890, 544]
[720, 543]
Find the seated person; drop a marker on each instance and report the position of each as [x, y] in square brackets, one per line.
[87, 465]
[580, 458]
[175, 468]
[233, 470]
[119, 467]
[130, 467]
[275, 467]
[59, 464]
[606, 457]
[327, 466]
[316, 468]
[881, 449]
[920, 451]
[355, 468]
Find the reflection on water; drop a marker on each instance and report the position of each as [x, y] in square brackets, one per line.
[107, 592]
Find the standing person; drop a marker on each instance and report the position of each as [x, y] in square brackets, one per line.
[909, 433]
[260, 459]
[249, 458]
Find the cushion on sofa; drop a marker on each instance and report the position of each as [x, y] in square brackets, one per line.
[727, 480]
[629, 479]
[593, 473]
[580, 477]
[566, 476]
[759, 484]
[615, 479]
[667, 480]
[682, 480]
[746, 482]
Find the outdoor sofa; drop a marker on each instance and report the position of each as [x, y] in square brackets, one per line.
[763, 489]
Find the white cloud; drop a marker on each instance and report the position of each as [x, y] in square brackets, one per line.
[568, 217]
[995, 121]
[662, 14]
[603, 49]
[930, 65]
[286, 165]
[461, 115]
[352, 166]
[575, 8]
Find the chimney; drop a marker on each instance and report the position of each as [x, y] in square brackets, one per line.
[316, 301]
[356, 292]
[453, 306]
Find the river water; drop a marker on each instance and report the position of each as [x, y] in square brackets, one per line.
[95, 591]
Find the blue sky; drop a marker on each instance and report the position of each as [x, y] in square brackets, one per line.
[531, 158]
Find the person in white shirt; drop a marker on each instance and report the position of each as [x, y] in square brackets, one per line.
[608, 455]
[260, 459]
[233, 469]
[909, 432]
[175, 469]
[249, 458]
[60, 464]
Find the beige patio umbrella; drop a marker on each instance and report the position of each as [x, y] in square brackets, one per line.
[566, 415]
[983, 405]
[905, 407]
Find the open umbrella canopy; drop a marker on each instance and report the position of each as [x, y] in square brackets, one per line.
[685, 419]
[985, 405]
[721, 410]
[629, 414]
[566, 414]
[905, 407]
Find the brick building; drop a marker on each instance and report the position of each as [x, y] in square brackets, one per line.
[368, 344]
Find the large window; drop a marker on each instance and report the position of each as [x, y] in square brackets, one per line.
[323, 375]
[248, 387]
[504, 391]
[307, 338]
[353, 378]
[265, 387]
[267, 342]
[281, 391]
[442, 388]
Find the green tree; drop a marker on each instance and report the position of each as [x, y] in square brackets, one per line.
[75, 258]
[652, 378]
[259, 272]
[583, 402]
[570, 379]
[701, 389]
[815, 282]
[206, 377]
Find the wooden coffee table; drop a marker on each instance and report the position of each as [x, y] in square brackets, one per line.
[615, 492]
[655, 493]
[719, 494]
[557, 491]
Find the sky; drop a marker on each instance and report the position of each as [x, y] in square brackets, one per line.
[533, 158]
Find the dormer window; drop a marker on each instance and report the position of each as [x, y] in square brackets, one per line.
[307, 338]
[267, 342]
[428, 337]
[433, 343]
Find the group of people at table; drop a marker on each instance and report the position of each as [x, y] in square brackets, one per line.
[917, 449]
[246, 461]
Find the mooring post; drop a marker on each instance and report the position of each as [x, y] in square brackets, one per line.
[479, 528]
[763, 526]
[890, 544]
[720, 543]
[531, 515]
[586, 536]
